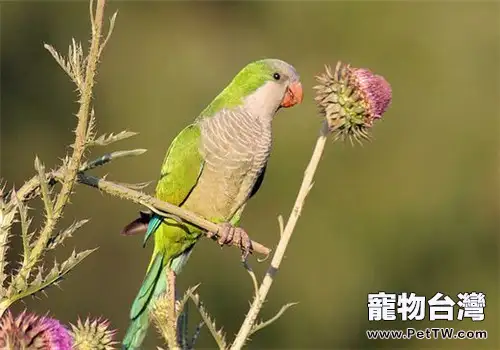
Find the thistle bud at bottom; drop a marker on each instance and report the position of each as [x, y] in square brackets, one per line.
[93, 335]
[351, 99]
[29, 331]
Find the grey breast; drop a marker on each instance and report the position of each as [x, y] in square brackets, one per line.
[236, 147]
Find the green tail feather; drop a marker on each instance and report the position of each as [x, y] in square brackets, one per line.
[154, 285]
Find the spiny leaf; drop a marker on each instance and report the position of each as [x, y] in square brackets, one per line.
[38, 277]
[7, 215]
[57, 272]
[58, 238]
[179, 304]
[65, 65]
[91, 127]
[218, 335]
[105, 139]
[25, 222]
[74, 259]
[109, 157]
[75, 61]
[44, 189]
[110, 30]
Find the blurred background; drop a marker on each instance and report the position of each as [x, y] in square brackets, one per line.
[415, 210]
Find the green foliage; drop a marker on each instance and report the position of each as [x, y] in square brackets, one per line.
[24, 282]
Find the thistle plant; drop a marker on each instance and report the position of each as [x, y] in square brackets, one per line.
[92, 335]
[349, 99]
[29, 331]
[29, 276]
[32, 332]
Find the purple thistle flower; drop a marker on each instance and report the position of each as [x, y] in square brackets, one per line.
[375, 89]
[351, 99]
[57, 335]
[28, 330]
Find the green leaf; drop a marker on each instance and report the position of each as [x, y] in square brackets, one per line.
[40, 283]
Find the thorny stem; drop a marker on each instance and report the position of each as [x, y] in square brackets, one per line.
[307, 182]
[70, 175]
[84, 111]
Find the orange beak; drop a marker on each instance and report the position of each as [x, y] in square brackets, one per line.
[293, 95]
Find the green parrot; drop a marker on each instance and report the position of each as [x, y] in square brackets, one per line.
[212, 168]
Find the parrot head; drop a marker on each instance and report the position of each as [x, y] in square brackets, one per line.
[283, 82]
[262, 88]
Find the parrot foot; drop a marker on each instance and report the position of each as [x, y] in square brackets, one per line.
[230, 235]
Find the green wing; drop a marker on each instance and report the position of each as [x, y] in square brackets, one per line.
[182, 166]
[180, 171]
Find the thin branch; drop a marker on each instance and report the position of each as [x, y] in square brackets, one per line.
[248, 323]
[129, 192]
[252, 276]
[155, 204]
[264, 324]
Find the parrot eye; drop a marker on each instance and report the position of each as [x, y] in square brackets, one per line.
[276, 76]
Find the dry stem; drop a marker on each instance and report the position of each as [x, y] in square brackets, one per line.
[248, 324]
[157, 205]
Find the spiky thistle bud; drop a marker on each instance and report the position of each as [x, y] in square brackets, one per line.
[351, 99]
[93, 335]
[29, 331]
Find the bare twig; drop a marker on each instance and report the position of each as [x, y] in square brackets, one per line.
[264, 324]
[248, 324]
[252, 276]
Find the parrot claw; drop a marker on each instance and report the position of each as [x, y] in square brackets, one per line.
[230, 235]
